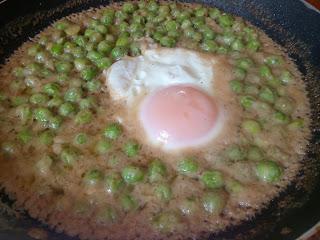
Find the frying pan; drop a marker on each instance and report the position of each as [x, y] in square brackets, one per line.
[290, 23]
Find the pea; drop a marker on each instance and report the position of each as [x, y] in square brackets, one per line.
[156, 171]
[284, 105]
[89, 73]
[186, 24]
[253, 45]
[244, 63]
[132, 174]
[25, 135]
[78, 52]
[201, 12]
[80, 41]
[212, 179]
[187, 166]
[93, 177]
[107, 17]
[281, 117]
[251, 127]
[107, 215]
[119, 52]
[101, 29]
[153, 6]
[43, 40]
[66, 109]
[54, 122]
[268, 171]
[56, 49]
[131, 148]
[128, 203]
[73, 95]
[266, 94]
[121, 15]
[34, 49]
[32, 69]
[255, 154]
[94, 55]
[251, 89]
[123, 41]
[237, 45]
[24, 113]
[286, 77]
[104, 47]
[236, 86]
[265, 72]
[225, 20]
[87, 103]
[51, 89]
[61, 25]
[72, 30]
[38, 99]
[63, 67]
[188, 206]
[239, 73]
[209, 46]
[247, 101]
[42, 114]
[296, 124]
[167, 41]
[163, 192]
[214, 202]
[83, 117]
[18, 72]
[44, 164]
[135, 49]
[102, 147]
[46, 137]
[69, 156]
[234, 186]
[123, 27]
[112, 131]
[96, 37]
[208, 33]
[273, 60]
[166, 221]
[214, 13]
[113, 183]
[81, 63]
[9, 148]
[93, 86]
[235, 153]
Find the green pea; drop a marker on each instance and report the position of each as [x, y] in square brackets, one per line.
[81, 63]
[121, 15]
[188, 206]
[73, 95]
[18, 72]
[95, 37]
[266, 94]
[244, 63]
[46, 137]
[209, 46]
[236, 86]
[255, 154]
[101, 29]
[24, 113]
[123, 27]
[239, 73]
[66, 109]
[54, 122]
[113, 183]
[69, 156]
[87, 103]
[123, 41]
[83, 117]
[132, 174]
[284, 105]
[212, 179]
[44, 164]
[235, 153]
[102, 147]
[119, 52]
[112, 131]
[39, 99]
[281, 117]
[43, 40]
[93, 177]
[214, 13]
[93, 86]
[94, 55]
[273, 60]
[201, 12]
[164, 10]
[9, 148]
[104, 47]
[237, 45]
[187, 166]
[42, 114]
[72, 30]
[61, 25]
[51, 89]
[228, 38]
[56, 49]
[234, 186]
[131, 148]
[128, 203]
[265, 72]
[214, 202]
[78, 52]
[107, 17]
[63, 67]
[153, 6]
[247, 101]
[253, 45]
[268, 171]
[286, 77]
[81, 41]
[135, 49]
[198, 22]
[167, 41]
[251, 127]
[225, 20]
[34, 49]
[163, 192]
[296, 124]
[107, 215]
[166, 221]
[89, 73]
[32, 69]
[103, 63]
[251, 89]
[25, 135]
[208, 33]
[156, 171]
[186, 24]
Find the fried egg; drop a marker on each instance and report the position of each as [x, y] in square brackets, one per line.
[179, 97]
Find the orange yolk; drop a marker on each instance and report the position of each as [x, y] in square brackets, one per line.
[178, 116]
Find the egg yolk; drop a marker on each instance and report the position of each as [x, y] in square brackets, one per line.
[178, 116]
